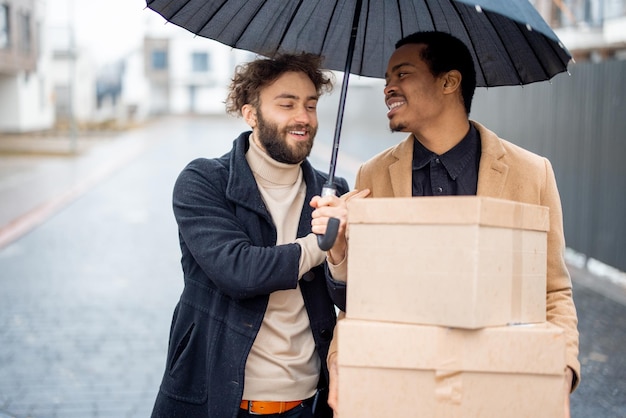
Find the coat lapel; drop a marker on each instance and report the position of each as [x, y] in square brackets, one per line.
[401, 171]
[492, 170]
[242, 188]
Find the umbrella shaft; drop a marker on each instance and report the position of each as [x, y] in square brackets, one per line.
[344, 92]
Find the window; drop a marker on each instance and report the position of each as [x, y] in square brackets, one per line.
[199, 62]
[159, 60]
[5, 38]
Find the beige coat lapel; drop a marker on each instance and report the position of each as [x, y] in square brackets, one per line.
[492, 170]
[401, 172]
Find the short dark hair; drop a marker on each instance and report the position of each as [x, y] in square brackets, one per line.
[444, 53]
[250, 78]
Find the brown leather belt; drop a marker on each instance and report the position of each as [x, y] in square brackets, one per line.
[268, 407]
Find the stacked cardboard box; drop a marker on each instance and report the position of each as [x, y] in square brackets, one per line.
[446, 313]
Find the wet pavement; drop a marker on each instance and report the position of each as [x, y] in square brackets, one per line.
[90, 273]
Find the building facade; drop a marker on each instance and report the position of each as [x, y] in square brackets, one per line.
[592, 30]
[26, 100]
[188, 74]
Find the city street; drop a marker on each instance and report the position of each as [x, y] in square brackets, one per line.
[90, 273]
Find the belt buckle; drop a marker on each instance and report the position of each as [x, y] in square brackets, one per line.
[250, 409]
[250, 406]
[282, 408]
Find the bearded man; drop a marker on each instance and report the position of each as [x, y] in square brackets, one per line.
[251, 331]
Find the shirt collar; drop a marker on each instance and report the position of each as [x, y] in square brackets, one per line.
[421, 155]
[455, 160]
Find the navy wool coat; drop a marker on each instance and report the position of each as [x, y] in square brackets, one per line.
[231, 264]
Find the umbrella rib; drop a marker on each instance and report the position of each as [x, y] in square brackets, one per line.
[556, 52]
[236, 43]
[328, 26]
[184, 4]
[210, 17]
[282, 38]
[517, 25]
[430, 13]
[401, 22]
[482, 70]
[539, 60]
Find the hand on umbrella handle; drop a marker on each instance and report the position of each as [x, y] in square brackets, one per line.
[326, 241]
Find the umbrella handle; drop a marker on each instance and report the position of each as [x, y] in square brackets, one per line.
[326, 241]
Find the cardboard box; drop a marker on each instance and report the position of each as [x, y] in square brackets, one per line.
[462, 261]
[401, 370]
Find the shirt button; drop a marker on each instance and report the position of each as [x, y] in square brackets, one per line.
[326, 334]
[437, 160]
[439, 190]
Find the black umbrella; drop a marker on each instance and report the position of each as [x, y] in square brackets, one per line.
[510, 42]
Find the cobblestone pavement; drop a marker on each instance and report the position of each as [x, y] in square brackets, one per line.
[90, 273]
[88, 294]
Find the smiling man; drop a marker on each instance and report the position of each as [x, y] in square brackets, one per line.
[251, 331]
[430, 83]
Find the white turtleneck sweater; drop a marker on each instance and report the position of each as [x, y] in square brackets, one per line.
[283, 364]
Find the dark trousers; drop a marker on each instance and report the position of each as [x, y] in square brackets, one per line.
[301, 411]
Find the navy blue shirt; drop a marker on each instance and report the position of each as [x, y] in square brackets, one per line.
[453, 173]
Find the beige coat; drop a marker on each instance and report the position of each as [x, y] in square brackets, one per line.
[506, 171]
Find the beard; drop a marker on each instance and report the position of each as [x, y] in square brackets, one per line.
[397, 128]
[274, 140]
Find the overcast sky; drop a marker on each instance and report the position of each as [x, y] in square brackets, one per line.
[108, 28]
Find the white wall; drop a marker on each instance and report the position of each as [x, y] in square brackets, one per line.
[135, 89]
[26, 98]
[25, 103]
[210, 87]
[615, 30]
[9, 97]
[36, 104]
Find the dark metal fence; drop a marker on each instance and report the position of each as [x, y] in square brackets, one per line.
[577, 121]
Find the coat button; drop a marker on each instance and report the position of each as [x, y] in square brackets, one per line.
[309, 276]
[326, 334]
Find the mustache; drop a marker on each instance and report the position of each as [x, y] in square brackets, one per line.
[391, 95]
[299, 127]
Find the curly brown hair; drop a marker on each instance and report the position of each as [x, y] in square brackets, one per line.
[252, 77]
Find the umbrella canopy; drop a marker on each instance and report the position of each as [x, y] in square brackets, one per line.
[510, 42]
